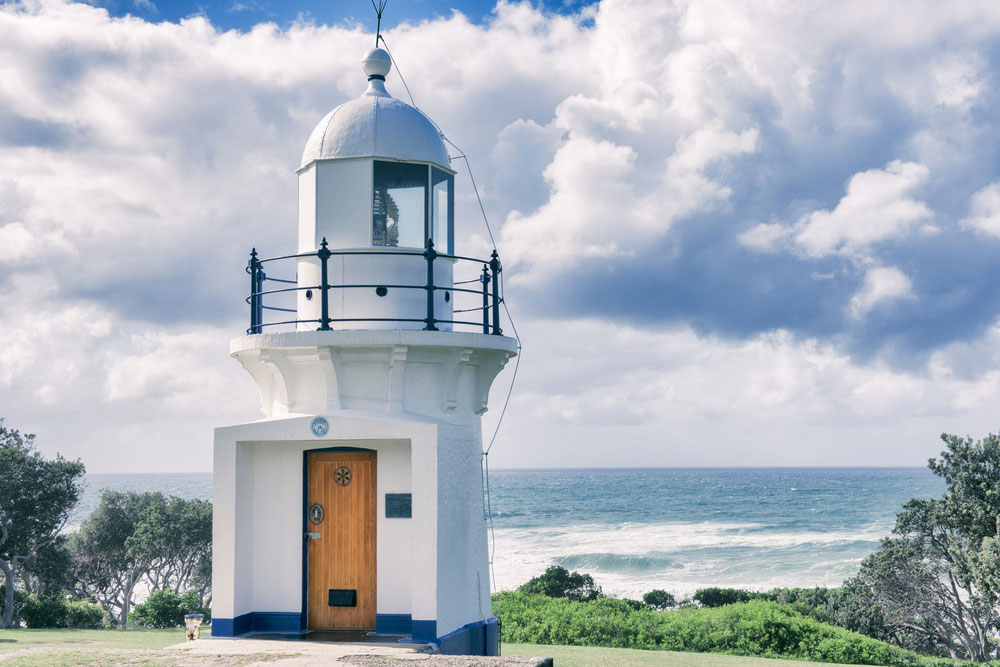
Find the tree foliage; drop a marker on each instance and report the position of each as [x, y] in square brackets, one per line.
[852, 607]
[558, 582]
[142, 539]
[36, 497]
[659, 599]
[939, 573]
[719, 597]
[49, 569]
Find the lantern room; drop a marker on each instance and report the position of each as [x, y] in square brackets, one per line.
[376, 184]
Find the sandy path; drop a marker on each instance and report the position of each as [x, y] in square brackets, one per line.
[262, 653]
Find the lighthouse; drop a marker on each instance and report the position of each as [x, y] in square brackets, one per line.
[356, 503]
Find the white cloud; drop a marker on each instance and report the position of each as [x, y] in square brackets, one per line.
[765, 237]
[886, 283]
[878, 206]
[984, 211]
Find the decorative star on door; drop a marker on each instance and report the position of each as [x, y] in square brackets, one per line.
[342, 476]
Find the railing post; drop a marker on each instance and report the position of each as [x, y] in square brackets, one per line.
[430, 254]
[261, 277]
[254, 270]
[324, 298]
[495, 268]
[486, 298]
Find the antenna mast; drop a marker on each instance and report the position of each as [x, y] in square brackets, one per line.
[379, 8]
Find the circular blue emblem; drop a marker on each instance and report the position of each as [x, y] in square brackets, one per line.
[320, 427]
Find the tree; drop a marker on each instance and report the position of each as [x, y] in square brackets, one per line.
[177, 534]
[558, 582]
[142, 538]
[36, 497]
[105, 566]
[939, 574]
[659, 599]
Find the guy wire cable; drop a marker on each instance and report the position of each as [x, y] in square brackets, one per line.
[485, 467]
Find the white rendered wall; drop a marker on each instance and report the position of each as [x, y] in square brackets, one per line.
[307, 210]
[309, 275]
[394, 542]
[276, 514]
[463, 559]
[224, 528]
[399, 302]
[378, 270]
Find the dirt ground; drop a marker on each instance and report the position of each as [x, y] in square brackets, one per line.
[250, 652]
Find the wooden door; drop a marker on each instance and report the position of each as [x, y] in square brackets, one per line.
[341, 554]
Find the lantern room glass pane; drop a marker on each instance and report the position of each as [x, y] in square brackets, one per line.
[399, 207]
[442, 210]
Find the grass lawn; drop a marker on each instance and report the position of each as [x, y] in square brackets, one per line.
[591, 656]
[14, 640]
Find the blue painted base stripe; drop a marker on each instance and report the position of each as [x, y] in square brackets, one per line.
[393, 624]
[479, 638]
[277, 621]
[232, 627]
[425, 631]
[222, 627]
[258, 621]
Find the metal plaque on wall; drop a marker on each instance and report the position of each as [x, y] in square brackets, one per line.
[398, 505]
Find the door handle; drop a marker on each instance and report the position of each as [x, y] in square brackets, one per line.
[310, 536]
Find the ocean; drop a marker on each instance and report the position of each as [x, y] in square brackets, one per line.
[678, 529]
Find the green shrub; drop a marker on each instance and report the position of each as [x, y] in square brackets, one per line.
[756, 628]
[162, 609]
[166, 609]
[558, 582]
[57, 611]
[84, 615]
[47, 611]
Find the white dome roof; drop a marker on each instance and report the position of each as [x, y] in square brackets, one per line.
[376, 125]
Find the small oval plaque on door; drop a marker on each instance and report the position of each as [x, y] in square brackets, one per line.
[316, 514]
[342, 476]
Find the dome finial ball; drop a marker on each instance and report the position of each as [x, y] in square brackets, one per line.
[376, 63]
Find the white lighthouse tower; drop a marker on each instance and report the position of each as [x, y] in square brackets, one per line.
[356, 503]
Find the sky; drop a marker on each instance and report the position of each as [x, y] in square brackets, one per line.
[734, 234]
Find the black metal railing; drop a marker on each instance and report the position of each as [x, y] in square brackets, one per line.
[489, 281]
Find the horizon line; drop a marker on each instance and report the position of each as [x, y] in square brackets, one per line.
[567, 468]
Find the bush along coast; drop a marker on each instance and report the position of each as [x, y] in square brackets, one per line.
[757, 628]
